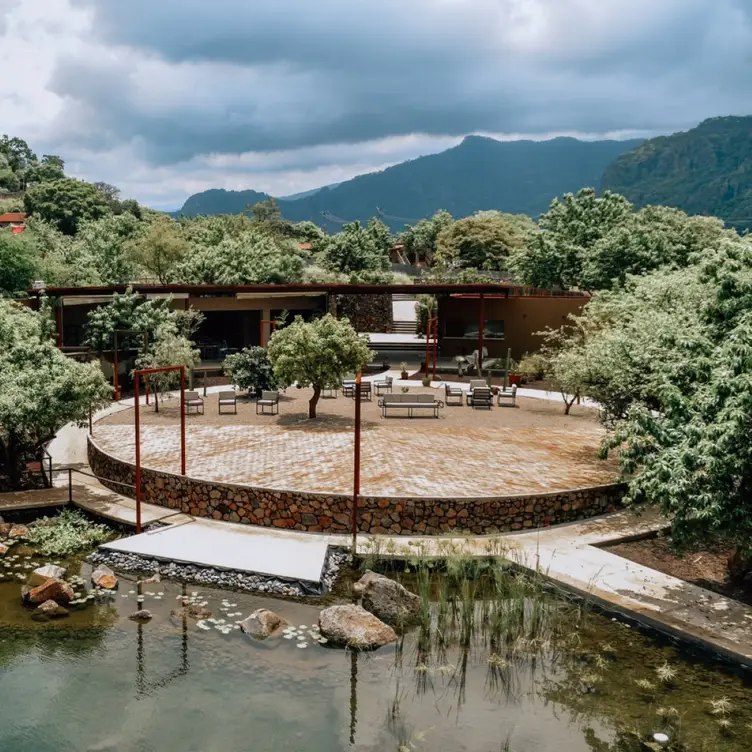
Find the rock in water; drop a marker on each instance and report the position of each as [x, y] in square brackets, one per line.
[18, 531]
[104, 577]
[262, 623]
[387, 599]
[5, 529]
[354, 627]
[49, 610]
[3, 549]
[192, 611]
[142, 615]
[47, 572]
[52, 590]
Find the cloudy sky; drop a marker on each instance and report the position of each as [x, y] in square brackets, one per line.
[165, 98]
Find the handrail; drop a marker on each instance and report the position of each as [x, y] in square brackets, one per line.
[70, 470]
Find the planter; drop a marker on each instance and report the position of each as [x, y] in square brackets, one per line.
[404, 375]
[515, 379]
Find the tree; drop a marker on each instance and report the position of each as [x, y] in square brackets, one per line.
[50, 168]
[40, 388]
[18, 154]
[9, 181]
[266, 215]
[18, 263]
[66, 203]
[570, 228]
[563, 359]
[483, 241]
[309, 232]
[354, 251]
[169, 349]
[160, 249]
[102, 246]
[250, 370]
[381, 235]
[317, 354]
[419, 240]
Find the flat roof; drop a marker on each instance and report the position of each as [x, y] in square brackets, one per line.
[292, 289]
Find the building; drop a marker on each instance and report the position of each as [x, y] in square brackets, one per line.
[14, 220]
[495, 316]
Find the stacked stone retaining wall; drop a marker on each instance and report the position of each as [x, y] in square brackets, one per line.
[330, 513]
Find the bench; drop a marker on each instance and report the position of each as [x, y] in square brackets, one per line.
[270, 400]
[193, 402]
[507, 397]
[410, 403]
[227, 399]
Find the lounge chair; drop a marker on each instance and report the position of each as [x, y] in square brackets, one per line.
[383, 384]
[453, 393]
[227, 399]
[193, 402]
[480, 397]
[270, 400]
[507, 397]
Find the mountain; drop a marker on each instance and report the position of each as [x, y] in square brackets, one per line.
[706, 170]
[305, 194]
[519, 177]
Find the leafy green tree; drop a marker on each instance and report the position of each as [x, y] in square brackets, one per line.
[18, 263]
[309, 232]
[9, 181]
[266, 215]
[254, 257]
[102, 246]
[317, 354]
[381, 234]
[40, 388]
[572, 226]
[66, 203]
[420, 239]
[160, 248]
[17, 153]
[354, 251]
[50, 168]
[250, 370]
[483, 241]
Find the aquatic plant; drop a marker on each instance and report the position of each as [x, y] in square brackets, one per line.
[666, 673]
[721, 707]
[68, 533]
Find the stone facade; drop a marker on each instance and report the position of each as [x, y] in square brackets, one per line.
[367, 313]
[330, 513]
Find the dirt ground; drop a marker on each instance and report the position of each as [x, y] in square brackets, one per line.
[707, 569]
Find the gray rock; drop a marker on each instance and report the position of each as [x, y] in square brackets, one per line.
[262, 623]
[142, 615]
[49, 610]
[387, 599]
[354, 627]
[47, 572]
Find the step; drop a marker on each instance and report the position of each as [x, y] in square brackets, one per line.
[404, 296]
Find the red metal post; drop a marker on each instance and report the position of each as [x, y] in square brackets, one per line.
[115, 373]
[138, 462]
[428, 340]
[435, 345]
[356, 469]
[481, 327]
[182, 420]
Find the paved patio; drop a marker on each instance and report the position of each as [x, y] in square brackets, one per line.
[466, 453]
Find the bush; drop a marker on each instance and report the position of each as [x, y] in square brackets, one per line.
[250, 370]
[533, 367]
[68, 533]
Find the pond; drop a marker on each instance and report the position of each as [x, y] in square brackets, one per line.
[564, 678]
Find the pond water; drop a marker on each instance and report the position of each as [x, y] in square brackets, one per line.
[98, 682]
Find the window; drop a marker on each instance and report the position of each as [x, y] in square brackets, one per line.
[493, 329]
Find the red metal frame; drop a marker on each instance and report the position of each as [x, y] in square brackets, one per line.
[137, 375]
[274, 328]
[356, 469]
[435, 345]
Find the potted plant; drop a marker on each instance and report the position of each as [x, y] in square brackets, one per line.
[514, 373]
[426, 381]
[404, 374]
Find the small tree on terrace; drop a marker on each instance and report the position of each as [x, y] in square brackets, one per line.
[317, 354]
[251, 370]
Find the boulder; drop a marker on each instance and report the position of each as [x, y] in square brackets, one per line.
[141, 615]
[5, 529]
[262, 623]
[18, 531]
[52, 590]
[387, 599]
[191, 611]
[49, 610]
[47, 572]
[3, 549]
[354, 627]
[104, 577]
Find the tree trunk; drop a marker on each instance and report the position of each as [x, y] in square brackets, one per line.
[739, 566]
[156, 401]
[314, 401]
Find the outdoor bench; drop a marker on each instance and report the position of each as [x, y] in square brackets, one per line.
[409, 403]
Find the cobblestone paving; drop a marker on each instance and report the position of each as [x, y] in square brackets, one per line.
[398, 458]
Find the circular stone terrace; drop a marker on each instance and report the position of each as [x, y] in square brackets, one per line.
[466, 453]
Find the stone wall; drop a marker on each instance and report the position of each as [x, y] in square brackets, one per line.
[367, 313]
[330, 513]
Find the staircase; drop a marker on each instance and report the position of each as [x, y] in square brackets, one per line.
[403, 296]
[403, 327]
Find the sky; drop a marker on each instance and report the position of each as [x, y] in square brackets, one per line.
[165, 98]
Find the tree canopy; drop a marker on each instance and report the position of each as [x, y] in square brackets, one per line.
[66, 203]
[357, 251]
[317, 354]
[251, 370]
[40, 388]
[18, 263]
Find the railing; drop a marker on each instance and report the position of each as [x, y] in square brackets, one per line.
[70, 470]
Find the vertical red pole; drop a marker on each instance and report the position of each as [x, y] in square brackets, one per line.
[428, 339]
[182, 420]
[138, 462]
[435, 345]
[481, 327]
[146, 380]
[115, 372]
[356, 469]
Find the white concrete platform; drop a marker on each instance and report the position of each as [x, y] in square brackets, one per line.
[249, 549]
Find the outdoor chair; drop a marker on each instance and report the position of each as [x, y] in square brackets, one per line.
[453, 393]
[477, 383]
[365, 391]
[383, 384]
[348, 387]
[227, 399]
[270, 400]
[193, 402]
[480, 397]
[329, 392]
[507, 397]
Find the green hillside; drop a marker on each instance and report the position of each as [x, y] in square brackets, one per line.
[518, 177]
[706, 170]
